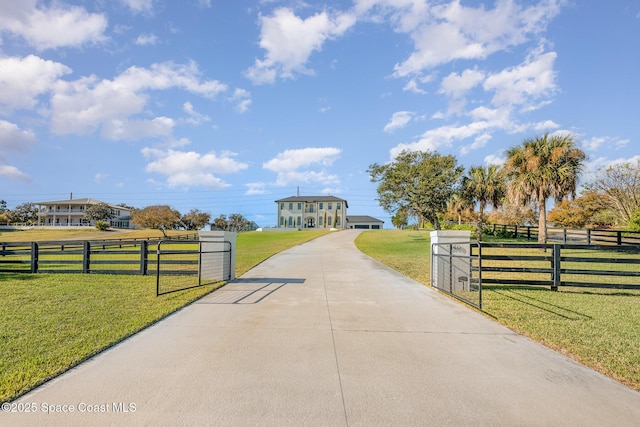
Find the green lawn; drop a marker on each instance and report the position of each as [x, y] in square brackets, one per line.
[600, 328]
[51, 322]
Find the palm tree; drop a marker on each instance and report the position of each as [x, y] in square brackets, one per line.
[541, 168]
[460, 205]
[485, 186]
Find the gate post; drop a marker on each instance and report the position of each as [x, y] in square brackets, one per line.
[144, 256]
[459, 242]
[34, 257]
[556, 267]
[86, 257]
[218, 258]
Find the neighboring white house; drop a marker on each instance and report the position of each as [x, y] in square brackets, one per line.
[364, 222]
[312, 212]
[70, 213]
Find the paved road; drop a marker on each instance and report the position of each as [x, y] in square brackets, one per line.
[322, 335]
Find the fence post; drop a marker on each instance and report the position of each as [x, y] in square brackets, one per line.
[528, 232]
[619, 238]
[144, 259]
[588, 236]
[564, 236]
[556, 267]
[34, 257]
[515, 233]
[86, 257]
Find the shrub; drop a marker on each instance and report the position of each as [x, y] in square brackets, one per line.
[634, 223]
[102, 225]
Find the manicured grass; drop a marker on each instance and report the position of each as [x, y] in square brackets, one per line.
[599, 328]
[51, 322]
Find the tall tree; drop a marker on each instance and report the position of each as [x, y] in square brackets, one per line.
[26, 213]
[421, 182]
[99, 212]
[195, 220]
[460, 206]
[400, 219]
[619, 185]
[160, 217]
[586, 210]
[485, 186]
[542, 168]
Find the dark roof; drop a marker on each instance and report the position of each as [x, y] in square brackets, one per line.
[362, 218]
[86, 201]
[311, 199]
[71, 202]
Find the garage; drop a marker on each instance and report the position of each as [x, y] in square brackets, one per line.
[364, 222]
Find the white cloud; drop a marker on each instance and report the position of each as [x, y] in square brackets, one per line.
[545, 125]
[139, 5]
[195, 118]
[399, 120]
[479, 142]
[451, 31]
[22, 80]
[188, 168]
[85, 105]
[255, 188]
[14, 139]
[524, 83]
[137, 129]
[594, 143]
[51, 27]
[14, 173]
[493, 159]
[412, 86]
[443, 136]
[146, 39]
[294, 166]
[290, 40]
[456, 85]
[242, 99]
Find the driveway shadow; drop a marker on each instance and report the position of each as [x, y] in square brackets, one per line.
[248, 290]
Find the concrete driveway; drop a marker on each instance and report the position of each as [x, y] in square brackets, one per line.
[322, 335]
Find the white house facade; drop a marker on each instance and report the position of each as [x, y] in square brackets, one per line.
[312, 212]
[70, 213]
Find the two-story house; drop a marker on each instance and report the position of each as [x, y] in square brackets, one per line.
[70, 213]
[312, 212]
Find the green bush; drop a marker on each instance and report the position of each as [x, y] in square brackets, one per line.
[102, 225]
[454, 226]
[634, 224]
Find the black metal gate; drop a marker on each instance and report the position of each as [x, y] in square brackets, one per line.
[185, 265]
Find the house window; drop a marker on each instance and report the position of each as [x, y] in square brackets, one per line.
[338, 205]
[290, 221]
[299, 222]
[281, 221]
[281, 206]
[329, 205]
[310, 208]
[328, 220]
[320, 206]
[290, 206]
[320, 222]
[337, 221]
[299, 206]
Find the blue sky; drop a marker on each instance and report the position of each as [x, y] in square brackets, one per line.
[226, 106]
